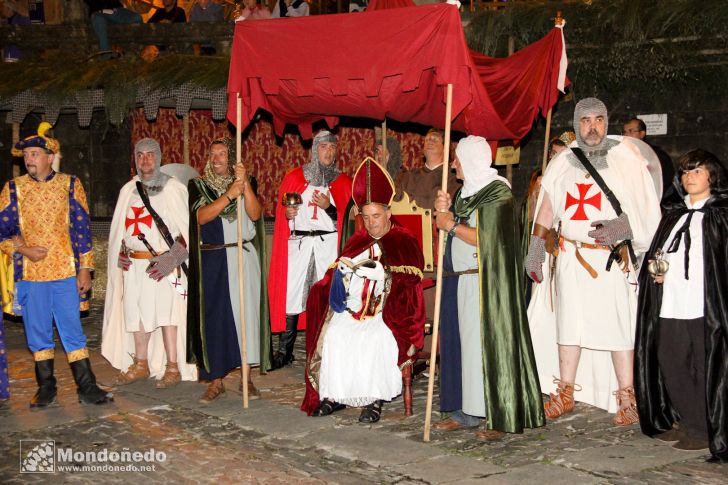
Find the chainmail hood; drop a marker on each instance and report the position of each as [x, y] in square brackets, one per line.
[316, 173]
[596, 154]
[157, 181]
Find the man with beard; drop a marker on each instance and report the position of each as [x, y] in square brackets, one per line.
[146, 298]
[305, 238]
[213, 312]
[601, 196]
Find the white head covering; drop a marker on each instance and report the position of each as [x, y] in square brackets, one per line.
[475, 158]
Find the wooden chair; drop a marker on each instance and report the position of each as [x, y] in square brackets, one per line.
[419, 222]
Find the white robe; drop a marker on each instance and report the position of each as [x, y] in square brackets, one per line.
[117, 344]
[597, 314]
[301, 249]
[359, 357]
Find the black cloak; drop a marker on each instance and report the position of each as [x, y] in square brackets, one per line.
[655, 409]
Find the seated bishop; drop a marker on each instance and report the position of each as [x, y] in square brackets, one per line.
[367, 315]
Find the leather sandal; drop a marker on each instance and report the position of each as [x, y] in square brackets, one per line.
[253, 392]
[448, 424]
[171, 376]
[371, 413]
[327, 406]
[137, 371]
[627, 414]
[215, 390]
[563, 401]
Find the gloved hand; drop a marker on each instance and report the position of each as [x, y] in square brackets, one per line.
[375, 274]
[162, 265]
[535, 258]
[124, 261]
[612, 231]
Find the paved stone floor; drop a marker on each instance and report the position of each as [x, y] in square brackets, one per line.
[273, 442]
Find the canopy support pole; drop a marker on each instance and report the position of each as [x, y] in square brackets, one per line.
[509, 167]
[186, 138]
[546, 142]
[438, 286]
[244, 370]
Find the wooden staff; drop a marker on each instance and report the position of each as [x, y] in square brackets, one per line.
[241, 289]
[557, 21]
[186, 138]
[438, 287]
[384, 143]
[509, 167]
[546, 142]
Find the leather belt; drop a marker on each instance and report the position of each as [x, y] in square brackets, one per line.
[447, 274]
[213, 247]
[140, 255]
[582, 245]
[310, 233]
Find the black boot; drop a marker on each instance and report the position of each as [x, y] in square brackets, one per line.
[47, 389]
[88, 391]
[284, 356]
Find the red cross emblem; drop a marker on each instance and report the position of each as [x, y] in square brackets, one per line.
[595, 200]
[311, 203]
[138, 219]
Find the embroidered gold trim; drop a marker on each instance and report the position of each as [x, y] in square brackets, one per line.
[78, 354]
[407, 269]
[46, 354]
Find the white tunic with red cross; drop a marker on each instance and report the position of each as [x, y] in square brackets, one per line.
[145, 300]
[323, 249]
[597, 314]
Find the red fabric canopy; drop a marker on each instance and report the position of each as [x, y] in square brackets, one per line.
[524, 83]
[387, 4]
[392, 63]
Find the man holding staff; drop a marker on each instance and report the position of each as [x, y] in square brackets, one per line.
[213, 312]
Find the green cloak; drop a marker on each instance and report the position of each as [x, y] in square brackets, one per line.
[199, 195]
[512, 391]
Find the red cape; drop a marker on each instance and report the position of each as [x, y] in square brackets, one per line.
[294, 181]
[404, 309]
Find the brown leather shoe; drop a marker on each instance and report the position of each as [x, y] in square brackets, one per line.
[171, 376]
[490, 435]
[690, 444]
[671, 436]
[138, 370]
[215, 390]
[448, 424]
[253, 392]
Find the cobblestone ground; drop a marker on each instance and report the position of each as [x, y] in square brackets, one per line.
[273, 442]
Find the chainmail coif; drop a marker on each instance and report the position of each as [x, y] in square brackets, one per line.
[156, 182]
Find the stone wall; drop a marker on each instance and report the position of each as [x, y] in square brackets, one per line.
[99, 155]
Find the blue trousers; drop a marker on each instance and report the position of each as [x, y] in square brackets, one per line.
[100, 22]
[45, 301]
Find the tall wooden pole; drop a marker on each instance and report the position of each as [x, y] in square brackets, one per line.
[186, 139]
[509, 167]
[559, 20]
[241, 282]
[438, 287]
[546, 142]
